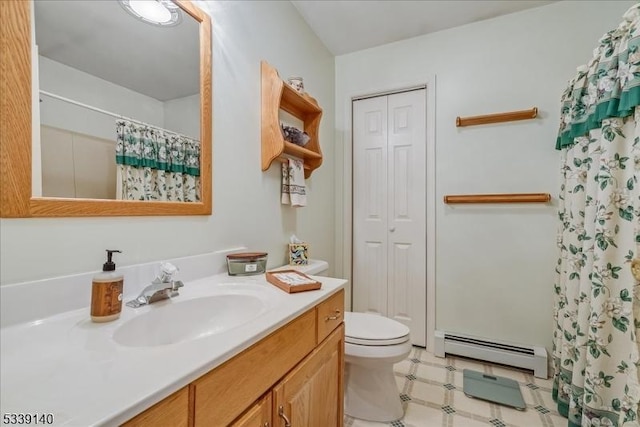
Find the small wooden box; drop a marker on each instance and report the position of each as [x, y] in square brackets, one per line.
[282, 283]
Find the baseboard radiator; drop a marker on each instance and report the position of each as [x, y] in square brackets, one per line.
[526, 357]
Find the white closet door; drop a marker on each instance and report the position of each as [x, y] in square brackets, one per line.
[389, 209]
[370, 205]
[406, 215]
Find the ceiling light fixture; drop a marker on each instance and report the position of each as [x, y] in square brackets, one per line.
[163, 13]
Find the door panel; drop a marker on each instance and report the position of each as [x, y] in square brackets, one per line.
[374, 166]
[309, 406]
[311, 395]
[407, 212]
[400, 292]
[401, 183]
[374, 279]
[370, 205]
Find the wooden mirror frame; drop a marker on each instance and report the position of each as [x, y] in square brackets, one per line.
[16, 200]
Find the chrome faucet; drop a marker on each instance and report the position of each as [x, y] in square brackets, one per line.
[162, 287]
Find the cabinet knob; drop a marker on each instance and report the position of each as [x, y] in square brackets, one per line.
[392, 229]
[267, 424]
[336, 316]
[281, 414]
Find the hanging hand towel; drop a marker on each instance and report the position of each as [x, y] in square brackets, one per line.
[294, 191]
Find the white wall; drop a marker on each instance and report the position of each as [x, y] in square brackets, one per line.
[77, 85]
[76, 165]
[246, 201]
[182, 115]
[494, 263]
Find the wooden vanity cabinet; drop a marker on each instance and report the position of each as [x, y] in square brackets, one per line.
[311, 394]
[295, 373]
[259, 415]
[170, 412]
[243, 379]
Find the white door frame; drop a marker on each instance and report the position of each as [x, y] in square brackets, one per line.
[345, 239]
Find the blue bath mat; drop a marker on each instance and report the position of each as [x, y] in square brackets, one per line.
[491, 388]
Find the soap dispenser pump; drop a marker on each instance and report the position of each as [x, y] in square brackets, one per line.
[106, 292]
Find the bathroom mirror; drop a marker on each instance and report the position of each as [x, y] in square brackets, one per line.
[161, 92]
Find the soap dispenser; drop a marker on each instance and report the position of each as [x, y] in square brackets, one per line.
[106, 292]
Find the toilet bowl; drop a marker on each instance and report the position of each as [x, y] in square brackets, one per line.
[372, 345]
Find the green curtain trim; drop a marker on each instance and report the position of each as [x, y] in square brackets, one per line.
[614, 107]
[572, 424]
[150, 163]
[136, 161]
[563, 409]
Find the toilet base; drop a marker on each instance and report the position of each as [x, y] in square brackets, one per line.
[371, 394]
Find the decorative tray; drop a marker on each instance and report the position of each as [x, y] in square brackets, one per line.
[292, 281]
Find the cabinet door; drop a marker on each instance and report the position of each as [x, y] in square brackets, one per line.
[258, 416]
[170, 412]
[312, 394]
[226, 392]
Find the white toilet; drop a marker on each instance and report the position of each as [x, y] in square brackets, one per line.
[372, 345]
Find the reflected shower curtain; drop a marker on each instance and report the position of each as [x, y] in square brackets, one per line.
[156, 164]
[596, 304]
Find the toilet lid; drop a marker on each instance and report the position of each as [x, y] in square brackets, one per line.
[372, 329]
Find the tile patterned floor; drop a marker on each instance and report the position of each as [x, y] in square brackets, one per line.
[431, 391]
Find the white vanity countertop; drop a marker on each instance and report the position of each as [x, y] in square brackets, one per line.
[70, 367]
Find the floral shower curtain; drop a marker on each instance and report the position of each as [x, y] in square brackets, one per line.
[597, 299]
[156, 164]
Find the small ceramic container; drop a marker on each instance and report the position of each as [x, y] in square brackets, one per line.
[297, 83]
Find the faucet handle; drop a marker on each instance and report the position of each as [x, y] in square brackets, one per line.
[167, 270]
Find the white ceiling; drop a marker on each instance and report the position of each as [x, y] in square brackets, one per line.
[100, 38]
[348, 26]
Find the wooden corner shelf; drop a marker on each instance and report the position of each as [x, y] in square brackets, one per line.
[277, 95]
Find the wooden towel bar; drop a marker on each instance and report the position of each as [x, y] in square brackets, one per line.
[497, 118]
[498, 198]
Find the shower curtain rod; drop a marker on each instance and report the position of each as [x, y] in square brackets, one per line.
[90, 107]
[109, 113]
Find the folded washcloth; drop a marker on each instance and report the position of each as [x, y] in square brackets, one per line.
[294, 191]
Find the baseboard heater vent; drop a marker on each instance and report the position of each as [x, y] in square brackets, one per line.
[526, 357]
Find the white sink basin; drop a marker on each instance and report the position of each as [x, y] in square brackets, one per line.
[172, 322]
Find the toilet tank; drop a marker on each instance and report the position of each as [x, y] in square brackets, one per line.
[315, 267]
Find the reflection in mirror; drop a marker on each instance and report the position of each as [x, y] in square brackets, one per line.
[119, 108]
